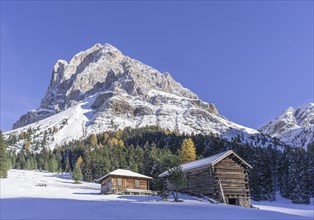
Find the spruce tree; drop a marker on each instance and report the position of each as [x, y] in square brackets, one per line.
[87, 168]
[310, 156]
[139, 154]
[52, 164]
[67, 168]
[28, 164]
[255, 184]
[132, 163]
[187, 151]
[12, 158]
[266, 180]
[298, 179]
[21, 160]
[4, 161]
[58, 158]
[77, 174]
[283, 174]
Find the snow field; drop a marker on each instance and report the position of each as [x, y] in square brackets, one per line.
[22, 198]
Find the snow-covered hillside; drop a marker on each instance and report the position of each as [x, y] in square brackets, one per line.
[101, 89]
[294, 127]
[22, 198]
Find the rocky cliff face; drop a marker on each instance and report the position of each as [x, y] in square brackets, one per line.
[294, 127]
[102, 89]
[100, 68]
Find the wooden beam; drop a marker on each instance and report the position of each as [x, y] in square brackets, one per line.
[221, 191]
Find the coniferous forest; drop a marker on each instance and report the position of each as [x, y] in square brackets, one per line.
[152, 150]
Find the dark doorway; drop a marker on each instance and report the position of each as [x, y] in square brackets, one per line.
[233, 201]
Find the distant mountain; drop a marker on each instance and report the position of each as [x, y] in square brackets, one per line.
[294, 127]
[101, 89]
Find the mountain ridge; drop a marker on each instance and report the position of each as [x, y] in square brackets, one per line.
[101, 89]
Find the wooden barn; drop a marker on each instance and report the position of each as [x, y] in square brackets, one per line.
[125, 182]
[223, 176]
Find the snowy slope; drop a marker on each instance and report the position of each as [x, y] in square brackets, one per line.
[81, 120]
[294, 127]
[21, 198]
[101, 89]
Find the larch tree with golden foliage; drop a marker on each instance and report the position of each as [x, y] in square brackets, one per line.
[187, 151]
[93, 140]
[79, 161]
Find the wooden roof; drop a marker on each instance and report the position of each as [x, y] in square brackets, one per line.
[208, 161]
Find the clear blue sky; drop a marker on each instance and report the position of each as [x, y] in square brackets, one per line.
[252, 59]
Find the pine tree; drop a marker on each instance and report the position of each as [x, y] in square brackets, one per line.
[28, 164]
[21, 160]
[266, 180]
[12, 158]
[52, 164]
[34, 163]
[255, 184]
[310, 152]
[77, 174]
[4, 161]
[44, 140]
[67, 168]
[283, 174]
[46, 165]
[43, 159]
[187, 151]
[132, 164]
[87, 168]
[58, 159]
[298, 180]
[139, 155]
[146, 160]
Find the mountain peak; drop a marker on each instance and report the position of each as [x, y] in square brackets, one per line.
[294, 126]
[100, 68]
[109, 48]
[101, 89]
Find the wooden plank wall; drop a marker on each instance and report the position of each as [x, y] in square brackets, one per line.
[129, 183]
[233, 177]
[199, 181]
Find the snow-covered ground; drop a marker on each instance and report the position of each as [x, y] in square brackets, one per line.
[285, 206]
[22, 198]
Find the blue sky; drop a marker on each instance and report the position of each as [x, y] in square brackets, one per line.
[252, 59]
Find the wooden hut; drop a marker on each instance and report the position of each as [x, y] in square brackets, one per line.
[125, 182]
[223, 176]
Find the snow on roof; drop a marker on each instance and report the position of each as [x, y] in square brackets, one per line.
[122, 172]
[211, 160]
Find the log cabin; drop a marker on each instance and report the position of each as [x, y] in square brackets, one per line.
[223, 177]
[125, 182]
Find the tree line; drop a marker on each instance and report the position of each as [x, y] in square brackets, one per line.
[152, 150]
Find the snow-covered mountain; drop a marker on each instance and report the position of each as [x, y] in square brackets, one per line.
[101, 89]
[294, 127]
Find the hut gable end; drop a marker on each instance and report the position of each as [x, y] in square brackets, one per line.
[222, 176]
